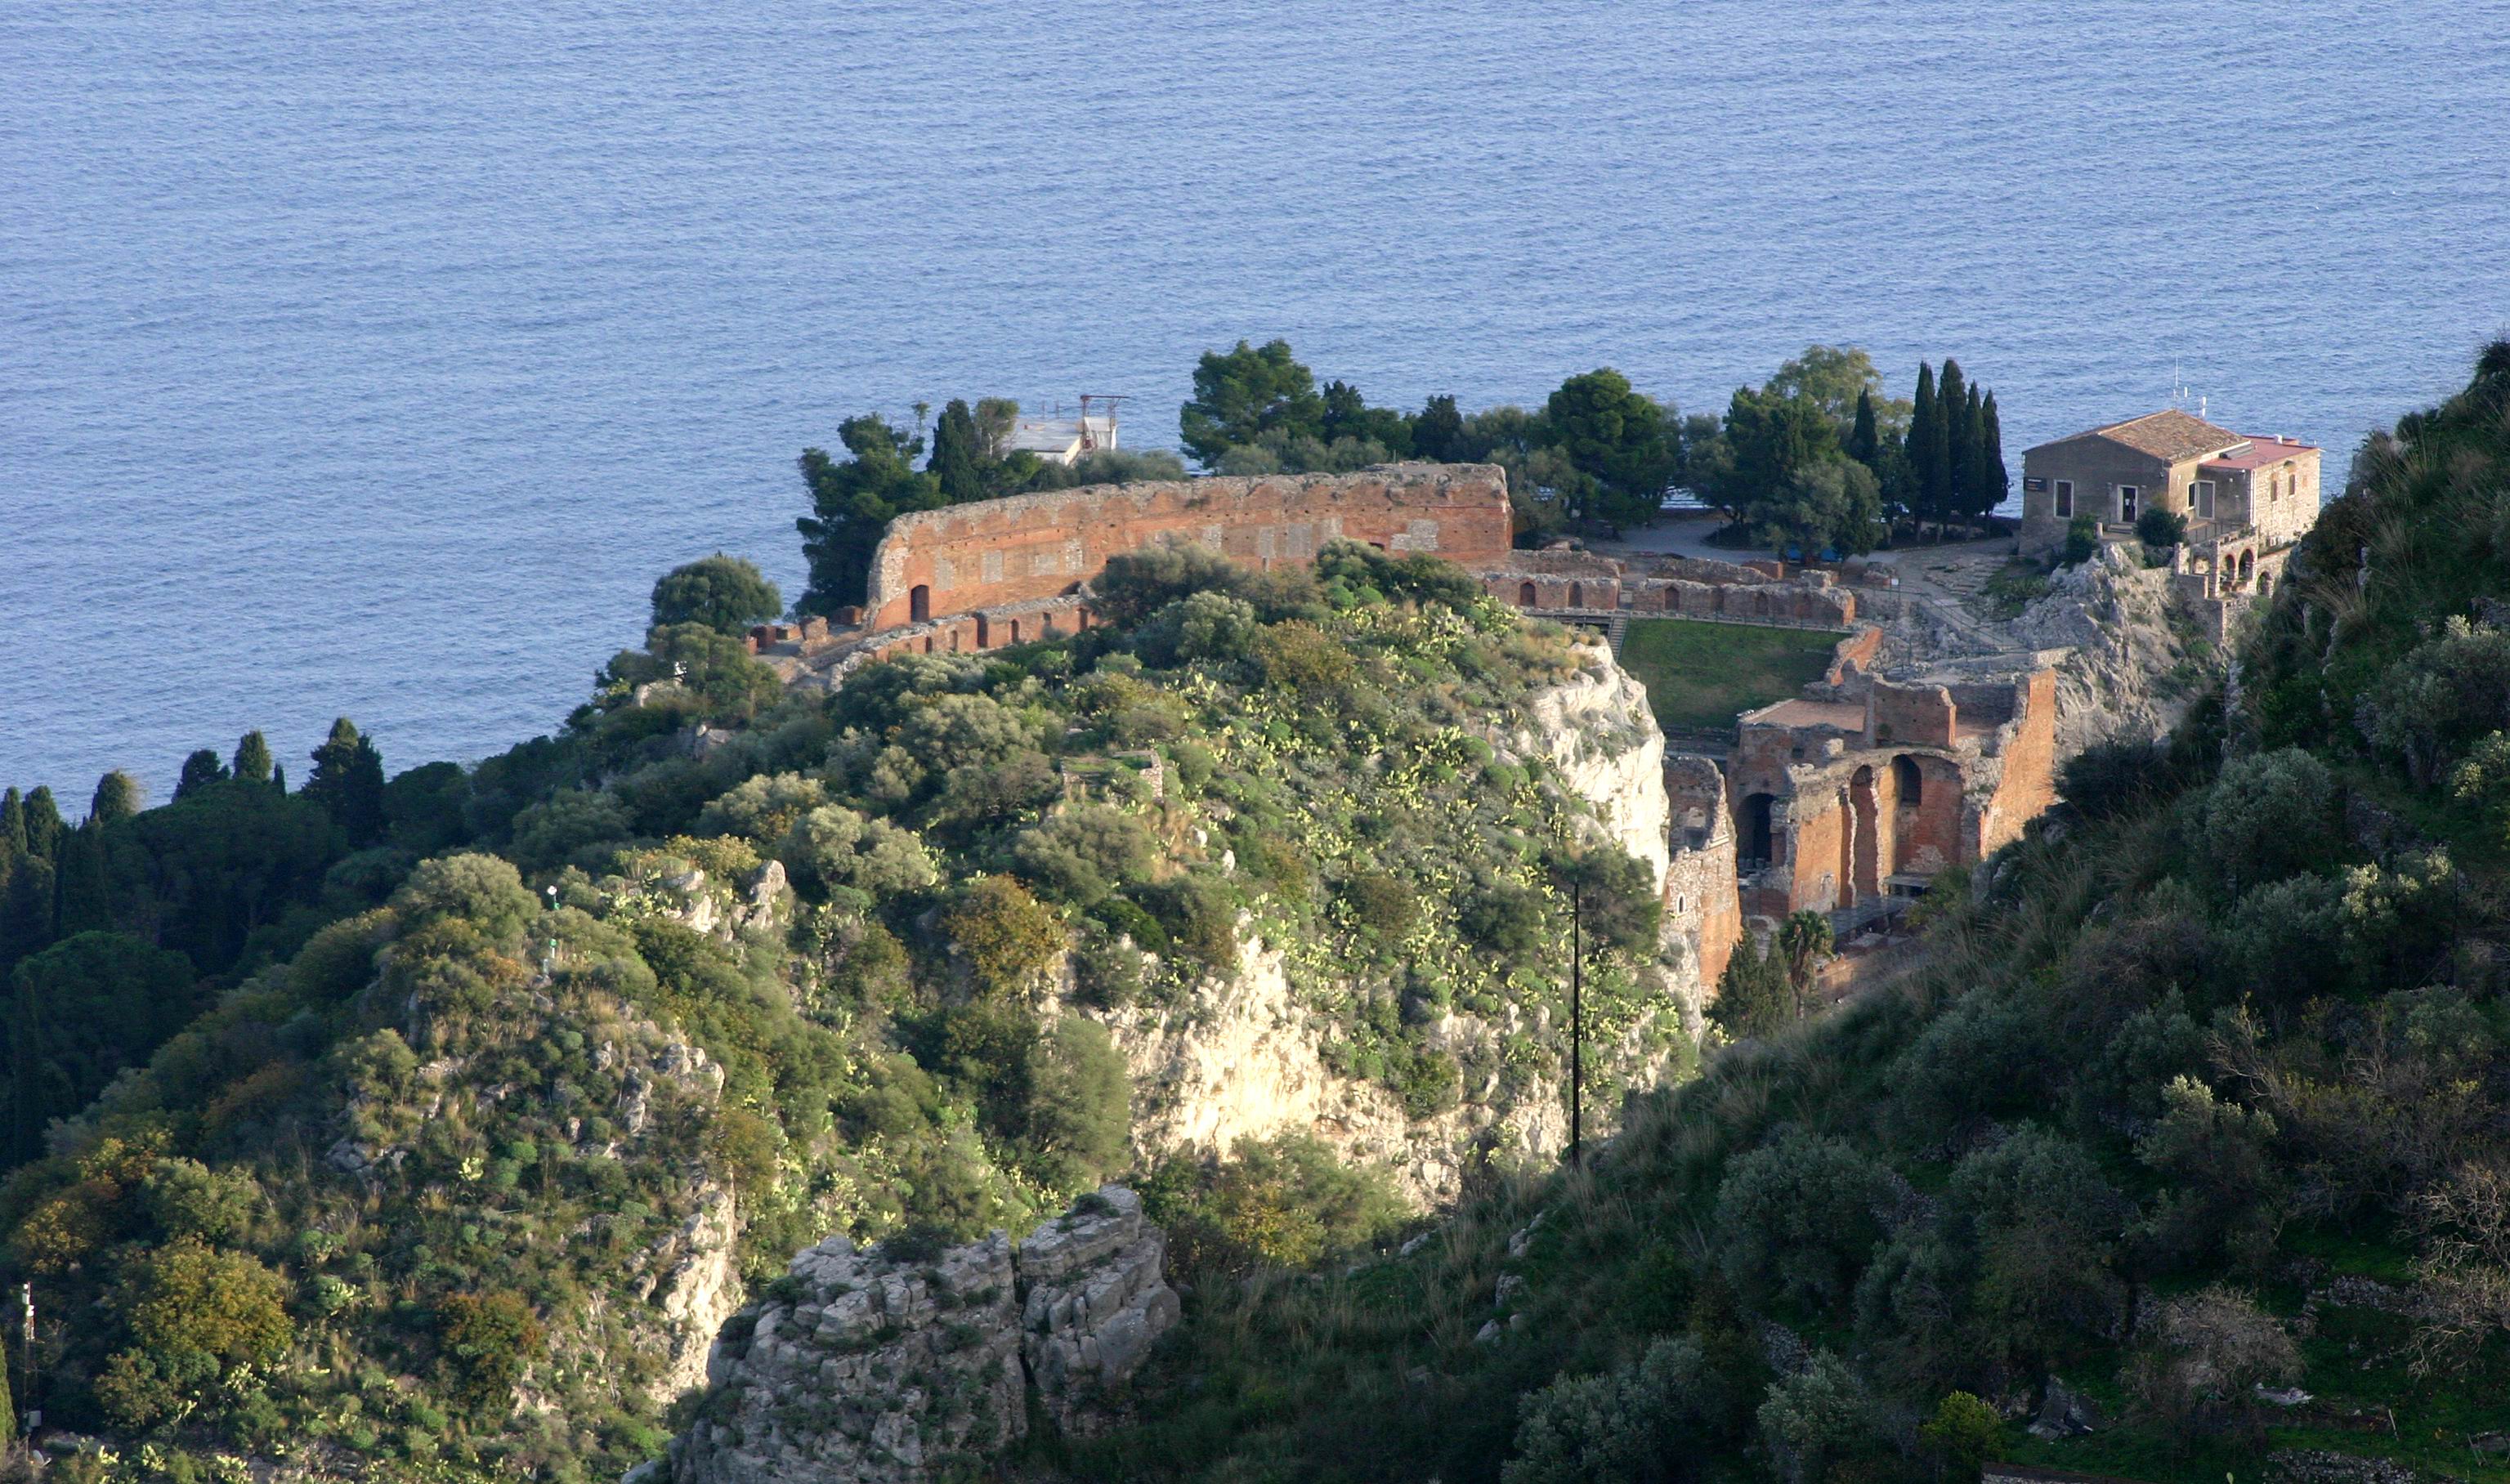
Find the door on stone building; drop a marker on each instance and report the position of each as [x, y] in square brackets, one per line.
[2127, 494]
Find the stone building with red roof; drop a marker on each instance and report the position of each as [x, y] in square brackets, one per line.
[2246, 497]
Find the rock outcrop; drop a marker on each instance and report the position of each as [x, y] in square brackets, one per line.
[885, 1366]
[2126, 674]
[1095, 1303]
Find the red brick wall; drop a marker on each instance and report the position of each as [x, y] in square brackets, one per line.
[2029, 786]
[1029, 547]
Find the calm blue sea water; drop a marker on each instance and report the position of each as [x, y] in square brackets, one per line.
[374, 355]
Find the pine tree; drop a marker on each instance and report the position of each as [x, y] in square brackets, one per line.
[957, 462]
[347, 782]
[1994, 481]
[1753, 995]
[1865, 440]
[43, 823]
[200, 771]
[252, 759]
[117, 798]
[83, 902]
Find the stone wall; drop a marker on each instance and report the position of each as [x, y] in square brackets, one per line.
[996, 553]
[1701, 906]
[1808, 598]
[2097, 466]
[1910, 715]
[1853, 656]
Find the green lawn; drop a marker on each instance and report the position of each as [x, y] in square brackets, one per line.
[1702, 675]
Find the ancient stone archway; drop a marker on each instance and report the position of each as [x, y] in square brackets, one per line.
[1016, 631]
[919, 603]
[1758, 839]
[1907, 783]
[1577, 595]
[2247, 566]
[984, 632]
[1527, 596]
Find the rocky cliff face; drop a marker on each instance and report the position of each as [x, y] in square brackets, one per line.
[889, 1366]
[1599, 732]
[2128, 673]
[1243, 1057]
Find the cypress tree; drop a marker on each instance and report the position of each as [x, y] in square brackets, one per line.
[83, 902]
[200, 770]
[13, 826]
[1952, 438]
[117, 798]
[347, 782]
[27, 911]
[956, 463]
[252, 759]
[279, 777]
[1995, 481]
[1927, 475]
[1967, 480]
[1864, 440]
[43, 823]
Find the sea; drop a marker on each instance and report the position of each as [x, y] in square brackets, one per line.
[371, 357]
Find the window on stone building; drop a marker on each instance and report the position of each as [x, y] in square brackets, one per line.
[2065, 499]
[2202, 498]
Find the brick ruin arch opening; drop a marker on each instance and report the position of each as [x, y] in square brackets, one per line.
[1015, 631]
[2247, 566]
[984, 632]
[919, 603]
[1527, 596]
[1926, 818]
[1758, 838]
[1577, 595]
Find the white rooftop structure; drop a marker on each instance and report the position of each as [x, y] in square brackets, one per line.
[1061, 439]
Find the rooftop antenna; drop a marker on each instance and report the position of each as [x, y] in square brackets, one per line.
[2178, 388]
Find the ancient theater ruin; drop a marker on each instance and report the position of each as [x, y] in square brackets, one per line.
[1865, 789]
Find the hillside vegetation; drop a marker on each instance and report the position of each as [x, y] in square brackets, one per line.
[426, 1128]
[2202, 1097]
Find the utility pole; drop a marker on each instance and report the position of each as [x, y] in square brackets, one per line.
[1577, 1024]
[26, 1365]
